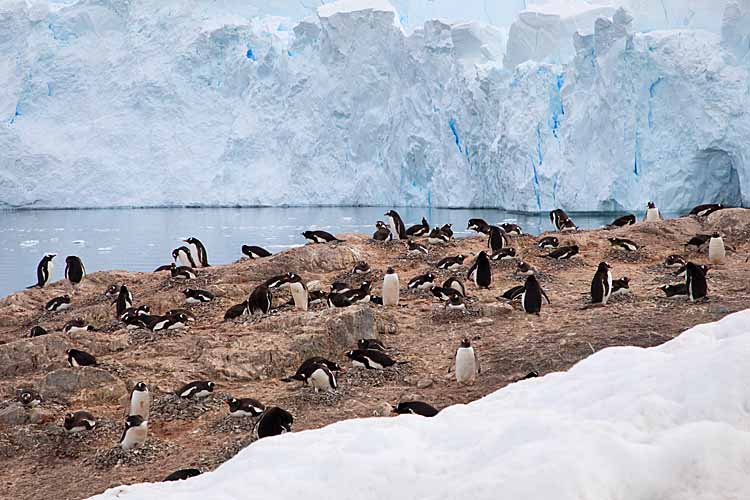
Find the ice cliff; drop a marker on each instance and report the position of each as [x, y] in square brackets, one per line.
[112, 103]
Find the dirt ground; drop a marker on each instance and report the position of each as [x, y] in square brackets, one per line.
[248, 357]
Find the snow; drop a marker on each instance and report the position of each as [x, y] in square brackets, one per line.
[669, 422]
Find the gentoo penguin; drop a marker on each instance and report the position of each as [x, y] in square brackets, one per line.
[77, 325]
[444, 293]
[44, 271]
[184, 257]
[134, 321]
[676, 290]
[198, 252]
[455, 284]
[182, 272]
[682, 270]
[716, 251]
[174, 312]
[370, 358]
[135, 433]
[370, 344]
[601, 285]
[168, 322]
[623, 244]
[525, 268]
[322, 379]
[467, 363]
[339, 300]
[415, 408]
[273, 422]
[124, 300]
[531, 298]
[652, 213]
[276, 281]
[695, 279]
[382, 233]
[361, 267]
[244, 407]
[235, 311]
[481, 272]
[299, 292]
[422, 282]
[255, 252]
[112, 291]
[396, 224]
[706, 209]
[447, 229]
[260, 300]
[58, 304]
[78, 422]
[308, 366]
[193, 296]
[456, 303]
[29, 398]
[140, 401]
[414, 248]
[478, 225]
[390, 290]
[509, 228]
[338, 287]
[419, 229]
[451, 263]
[674, 261]
[625, 220]
[696, 242]
[318, 296]
[548, 242]
[513, 293]
[181, 475]
[563, 253]
[438, 236]
[77, 358]
[621, 286]
[37, 331]
[359, 295]
[504, 254]
[319, 237]
[140, 311]
[196, 390]
[561, 221]
[74, 270]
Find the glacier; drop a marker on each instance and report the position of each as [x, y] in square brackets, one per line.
[183, 103]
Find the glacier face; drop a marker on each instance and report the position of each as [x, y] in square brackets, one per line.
[111, 103]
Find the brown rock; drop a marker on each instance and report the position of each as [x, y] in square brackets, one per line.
[27, 355]
[12, 415]
[424, 383]
[90, 383]
[359, 322]
[495, 310]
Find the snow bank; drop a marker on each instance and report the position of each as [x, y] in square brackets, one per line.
[670, 422]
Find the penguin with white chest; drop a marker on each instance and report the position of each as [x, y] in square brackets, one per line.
[652, 213]
[299, 292]
[396, 224]
[601, 285]
[78, 422]
[531, 298]
[44, 271]
[451, 263]
[481, 271]
[370, 358]
[260, 300]
[193, 296]
[135, 433]
[184, 257]
[140, 401]
[422, 282]
[273, 422]
[322, 379]
[716, 251]
[255, 252]
[391, 288]
[467, 363]
[124, 301]
[244, 407]
[77, 325]
[198, 251]
[77, 358]
[496, 240]
[196, 390]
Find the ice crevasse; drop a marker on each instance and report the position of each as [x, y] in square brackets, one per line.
[177, 103]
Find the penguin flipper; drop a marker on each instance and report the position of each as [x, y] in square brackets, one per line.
[545, 295]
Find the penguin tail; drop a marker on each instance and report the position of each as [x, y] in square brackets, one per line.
[401, 362]
[293, 378]
[37, 285]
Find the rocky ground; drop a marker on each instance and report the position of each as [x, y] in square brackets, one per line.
[247, 357]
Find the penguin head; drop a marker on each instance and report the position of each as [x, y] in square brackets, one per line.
[465, 342]
[390, 270]
[604, 266]
[48, 257]
[66, 297]
[230, 401]
[140, 387]
[182, 317]
[625, 281]
[69, 420]
[482, 255]
[715, 235]
[175, 252]
[191, 240]
[430, 277]
[460, 257]
[365, 286]
[143, 310]
[112, 290]
[651, 204]
[380, 224]
[210, 386]
[293, 278]
[447, 226]
[390, 213]
[187, 291]
[26, 397]
[349, 354]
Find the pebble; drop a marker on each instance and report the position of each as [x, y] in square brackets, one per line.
[424, 383]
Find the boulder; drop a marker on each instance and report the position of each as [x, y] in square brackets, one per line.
[732, 223]
[495, 310]
[28, 355]
[90, 384]
[359, 322]
[12, 415]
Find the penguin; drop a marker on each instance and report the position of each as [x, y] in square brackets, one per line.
[548, 242]
[359, 295]
[414, 248]
[308, 366]
[513, 293]
[255, 252]
[625, 220]
[193, 296]
[134, 321]
[322, 379]
[299, 292]
[672, 291]
[682, 270]
[165, 267]
[29, 398]
[525, 269]
[496, 240]
[184, 257]
[44, 271]
[456, 303]
[235, 311]
[168, 322]
[623, 244]
[696, 242]
[244, 407]
[196, 390]
[451, 263]
[260, 300]
[112, 291]
[198, 252]
[174, 312]
[182, 273]
[396, 224]
[339, 300]
[455, 284]
[361, 267]
[77, 325]
[652, 213]
[319, 237]
[124, 301]
[135, 433]
[447, 229]
[77, 359]
[438, 237]
[445, 294]
[370, 344]
[621, 286]
[467, 363]
[58, 304]
[273, 422]
[138, 312]
[140, 401]
[382, 233]
[563, 253]
[504, 254]
[181, 475]
[478, 225]
[695, 279]
[561, 221]
[276, 281]
[317, 297]
[716, 251]
[481, 272]
[419, 229]
[37, 331]
[370, 358]
[422, 282]
[78, 422]
[390, 288]
[706, 209]
[415, 408]
[674, 261]
[601, 285]
[509, 228]
[531, 298]
[74, 270]
[338, 287]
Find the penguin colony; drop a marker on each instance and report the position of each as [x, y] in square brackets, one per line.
[468, 273]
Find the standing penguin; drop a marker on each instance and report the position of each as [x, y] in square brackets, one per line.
[601, 285]
[198, 251]
[299, 292]
[135, 433]
[481, 272]
[74, 270]
[497, 240]
[652, 213]
[44, 271]
[716, 251]
[398, 230]
[467, 363]
[695, 279]
[124, 300]
[531, 298]
[260, 300]
[273, 422]
[184, 257]
[140, 401]
[322, 379]
[390, 288]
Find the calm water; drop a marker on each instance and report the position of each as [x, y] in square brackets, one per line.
[143, 239]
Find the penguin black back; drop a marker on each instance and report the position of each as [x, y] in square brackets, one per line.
[182, 474]
[483, 272]
[695, 279]
[415, 408]
[44, 271]
[496, 240]
[202, 255]
[531, 299]
[74, 270]
[274, 421]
